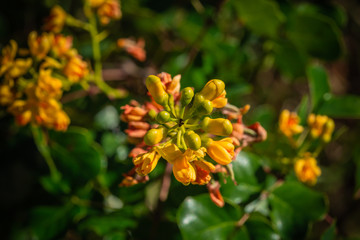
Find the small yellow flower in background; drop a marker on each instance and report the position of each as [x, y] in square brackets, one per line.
[307, 170]
[6, 95]
[61, 45]
[48, 86]
[146, 162]
[96, 3]
[109, 9]
[8, 56]
[39, 45]
[221, 151]
[19, 68]
[75, 69]
[289, 123]
[56, 20]
[321, 126]
[50, 114]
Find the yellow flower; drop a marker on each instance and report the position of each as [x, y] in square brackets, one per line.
[321, 126]
[169, 151]
[61, 45]
[48, 86]
[307, 170]
[146, 162]
[8, 56]
[202, 169]
[183, 171]
[21, 110]
[56, 20]
[19, 68]
[220, 101]
[221, 151]
[157, 89]
[39, 45]
[75, 69]
[289, 123]
[96, 3]
[6, 95]
[110, 9]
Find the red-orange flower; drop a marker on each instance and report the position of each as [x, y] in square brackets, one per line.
[135, 49]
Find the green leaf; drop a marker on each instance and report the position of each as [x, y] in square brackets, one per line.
[341, 106]
[246, 169]
[259, 228]
[76, 155]
[315, 34]
[303, 109]
[294, 207]
[199, 218]
[262, 16]
[318, 83]
[106, 224]
[47, 222]
[330, 233]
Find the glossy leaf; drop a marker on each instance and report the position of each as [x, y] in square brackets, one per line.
[341, 106]
[246, 169]
[294, 206]
[199, 218]
[259, 228]
[318, 83]
[330, 233]
[77, 155]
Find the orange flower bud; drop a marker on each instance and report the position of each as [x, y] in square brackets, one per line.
[135, 49]
[157, 90]
[56, 20]
[202, 169]
[217, 126]
[307, 170]
[221, 151]
[75, 69]
[146, 162]
[215, 195]
[213, 89]
[133, 112]
[61, 45]
[289, 123]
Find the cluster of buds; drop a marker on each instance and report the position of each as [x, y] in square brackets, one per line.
[182, 131]
[320, 127]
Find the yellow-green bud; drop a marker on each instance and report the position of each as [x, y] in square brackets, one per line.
[217, 126]
[205, 107]
[154, 136]
[157, 90]
[163, 117]
[186, 96]
[152, 113]
[192, 140]
[213, 89]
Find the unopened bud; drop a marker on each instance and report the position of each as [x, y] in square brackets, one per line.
[154, 136]
[217, 126]
[192, 140]
[152, 113]
[163, 117]
[205, 107]
[328, 130]
[186, 96]
[213, 89]
[157, 90]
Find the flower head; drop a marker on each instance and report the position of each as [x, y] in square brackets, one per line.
[289, 123]
[75, 69]
[109, 9]
[39, 45]
[307, 170]
[146, 162]
[56, 20]
[321, 126]
[61, 45]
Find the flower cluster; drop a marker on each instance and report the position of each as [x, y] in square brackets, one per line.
[178, 126]
[34, 78]
[106, 10]
[319, 132]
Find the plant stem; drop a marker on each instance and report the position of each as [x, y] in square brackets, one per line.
[44, 150]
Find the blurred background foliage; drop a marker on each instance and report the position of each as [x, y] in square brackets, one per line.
[299, 55]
